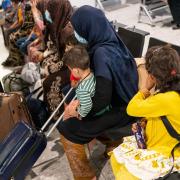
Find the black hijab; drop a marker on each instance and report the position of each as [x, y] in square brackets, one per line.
[110, 58]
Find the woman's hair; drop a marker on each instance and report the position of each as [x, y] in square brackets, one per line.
[163, 62]
[77, 57]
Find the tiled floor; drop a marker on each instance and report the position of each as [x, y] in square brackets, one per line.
[53, 165]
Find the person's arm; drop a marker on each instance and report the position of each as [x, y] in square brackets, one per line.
[85, 102]
[143, 106]
[19, 20]
[32, 32]
[37, 15]
[103, 95]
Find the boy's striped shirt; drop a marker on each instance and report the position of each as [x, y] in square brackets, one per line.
[85, 91]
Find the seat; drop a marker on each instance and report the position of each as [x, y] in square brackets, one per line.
[98, 3]
[156, 42]
[133, 38]
[119, 132]
[148, 7]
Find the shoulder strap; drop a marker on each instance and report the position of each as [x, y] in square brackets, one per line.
[175, 135]
[170, 128]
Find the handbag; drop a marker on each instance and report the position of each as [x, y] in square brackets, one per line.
[13, 83]
[31, 73]
[174, 134]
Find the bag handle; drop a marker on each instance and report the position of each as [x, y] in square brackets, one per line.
[57, 122]
[175, 135]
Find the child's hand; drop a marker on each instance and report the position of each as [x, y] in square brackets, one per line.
[143, 123]
[74, 83]
[150, 82]
[74, 104]
[134, 128]
[70, 110]
[66, 114]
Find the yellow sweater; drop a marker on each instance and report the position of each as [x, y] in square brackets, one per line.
[162, 104]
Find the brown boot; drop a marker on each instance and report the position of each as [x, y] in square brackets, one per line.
[78, 161]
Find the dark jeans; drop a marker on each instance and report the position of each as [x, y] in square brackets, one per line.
[23, 43]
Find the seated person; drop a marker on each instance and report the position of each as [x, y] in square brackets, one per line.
[127, 160]
[77, 60]
[18, 6]
[23, 42]
[6, 5]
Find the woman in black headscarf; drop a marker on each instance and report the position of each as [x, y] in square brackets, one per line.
[116, 83]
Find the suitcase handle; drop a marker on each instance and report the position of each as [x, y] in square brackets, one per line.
[57, 122]
[52, 115]
[60, 118]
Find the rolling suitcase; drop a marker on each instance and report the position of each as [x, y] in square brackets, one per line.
[23, 146]
[13, 109]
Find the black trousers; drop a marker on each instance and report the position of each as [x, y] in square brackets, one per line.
[83, 131]
[174, 6]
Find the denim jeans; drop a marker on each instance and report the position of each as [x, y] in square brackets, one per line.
[23, 42]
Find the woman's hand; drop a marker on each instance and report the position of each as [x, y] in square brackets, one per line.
[73, 105]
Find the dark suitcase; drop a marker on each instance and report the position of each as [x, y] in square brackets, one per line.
[22, 147]
[19, 151]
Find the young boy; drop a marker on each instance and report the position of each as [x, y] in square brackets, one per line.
[77, 60]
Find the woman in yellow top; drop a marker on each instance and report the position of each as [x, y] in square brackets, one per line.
[130, 163]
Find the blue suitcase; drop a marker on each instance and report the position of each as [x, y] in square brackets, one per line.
[19, 151]
[22, 147]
